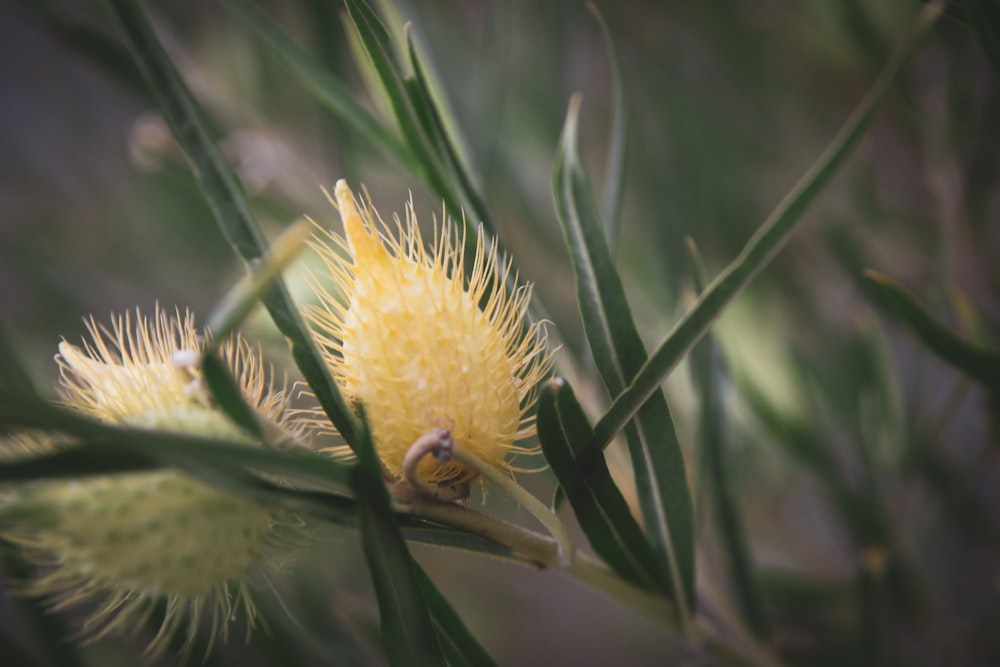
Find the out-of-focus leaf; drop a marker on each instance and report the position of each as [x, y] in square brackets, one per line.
[407, 629]
[225, 195]
[708, 372]
[227, 394]
[14, 377]
[614, 176]
[660, 474]
[46, 632]
[767, 241]
[980, 364]
[459, 646]
[328, 90]
[602, 511]
[984, 16]
[120, 448]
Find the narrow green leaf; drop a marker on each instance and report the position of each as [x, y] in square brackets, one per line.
[328, 90]
[459, 646]
[984, 15]
[406, 622]
[423, 98]
[136, 448]
[14, 377]
[661, 479]
[708, 371]
[597, 502]
[979, 363]
[227, 395]
[225, 195]
[767, 241]
[375, 40]
[234, 307]
[614, 176]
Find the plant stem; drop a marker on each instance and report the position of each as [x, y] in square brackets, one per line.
[538, 509]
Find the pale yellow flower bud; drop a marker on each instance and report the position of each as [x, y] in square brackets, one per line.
[424, 347]
[129, 542]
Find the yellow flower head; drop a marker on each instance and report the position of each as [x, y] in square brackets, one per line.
[134, 541]
[421, 346]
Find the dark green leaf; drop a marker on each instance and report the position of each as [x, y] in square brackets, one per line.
[583, 474]
[766, 242]
[708, 373]
[980, 364]
[458, 644]
[661, 479]
[225, 195]
[406, 623]
[984, 16]
[14, 377]
[227, 395]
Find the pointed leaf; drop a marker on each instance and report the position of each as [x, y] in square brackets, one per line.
[979, 363]
[661, 479]
[583, 474]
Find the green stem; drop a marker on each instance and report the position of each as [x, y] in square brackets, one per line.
[538, 509]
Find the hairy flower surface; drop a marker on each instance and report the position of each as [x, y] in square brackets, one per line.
[130, 542]
[423, 347]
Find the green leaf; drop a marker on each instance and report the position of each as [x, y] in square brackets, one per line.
[122, 448]
[583, 474]
[766, 242]
[708, 371]
[458, 644]
[227, 394]
[979, 363]
[614, 177]
[661, 479]
[406, 623]
[14, 377]
[328, 90]
[984, 15]
[225, 195]
[375, 40]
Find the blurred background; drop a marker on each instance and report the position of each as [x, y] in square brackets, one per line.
[866, 470]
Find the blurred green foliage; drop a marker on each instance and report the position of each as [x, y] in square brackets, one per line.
[864, 468]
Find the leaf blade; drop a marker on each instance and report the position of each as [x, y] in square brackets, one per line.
[618, 351]
[582, 472]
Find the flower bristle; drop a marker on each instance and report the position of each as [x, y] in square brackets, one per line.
[422, 342]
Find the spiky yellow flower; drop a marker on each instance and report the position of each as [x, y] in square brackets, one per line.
[131, 542]
[424, 347]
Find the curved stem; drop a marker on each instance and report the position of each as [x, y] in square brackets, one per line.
[439, 442]
[534, 548]
[538, 509]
